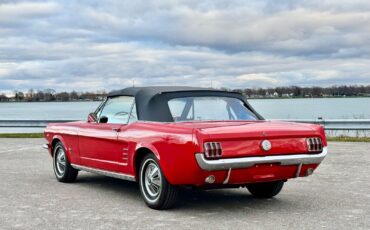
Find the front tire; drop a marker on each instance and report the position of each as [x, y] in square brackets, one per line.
[63, 170]
[265, 190]
[154, 187]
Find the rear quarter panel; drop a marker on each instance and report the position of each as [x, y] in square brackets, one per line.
[174, 147]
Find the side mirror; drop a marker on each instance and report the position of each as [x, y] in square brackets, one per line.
[92, 118]
[103, 119]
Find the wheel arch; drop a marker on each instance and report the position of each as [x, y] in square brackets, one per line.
[53, 143]
[55, 140]
[140, 152]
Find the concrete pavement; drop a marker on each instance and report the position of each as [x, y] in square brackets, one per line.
[337, 196]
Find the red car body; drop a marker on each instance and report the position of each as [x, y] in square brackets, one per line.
[117, 149]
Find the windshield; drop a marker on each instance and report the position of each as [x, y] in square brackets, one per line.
[118, 110]
[209, 108]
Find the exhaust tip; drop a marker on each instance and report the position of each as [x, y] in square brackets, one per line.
[210, 179]
[309, 171]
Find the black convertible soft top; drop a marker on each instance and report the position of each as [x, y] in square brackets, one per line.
[152, 91]
[151, 102]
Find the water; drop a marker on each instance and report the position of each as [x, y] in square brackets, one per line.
[312, 108]
[47, 110]
[307, 108]
[44, 111]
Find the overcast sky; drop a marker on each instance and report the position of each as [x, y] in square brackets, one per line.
[94, 45]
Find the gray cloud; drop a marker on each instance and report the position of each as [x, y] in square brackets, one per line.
[92, 45]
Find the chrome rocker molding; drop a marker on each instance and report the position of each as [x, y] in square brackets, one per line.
[45, 146]
[104, 173]
[246, 162]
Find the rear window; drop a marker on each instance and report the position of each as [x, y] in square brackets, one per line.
[209, 108]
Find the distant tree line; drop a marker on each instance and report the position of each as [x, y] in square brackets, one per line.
[315, 91]
[278, 92]
[51, 95]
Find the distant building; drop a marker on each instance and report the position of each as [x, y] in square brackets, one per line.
[3, 98]
[287, 95]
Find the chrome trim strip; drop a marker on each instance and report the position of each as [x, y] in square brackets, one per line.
[45, 146]
[246, 162]
[105, 173]
[104, 161]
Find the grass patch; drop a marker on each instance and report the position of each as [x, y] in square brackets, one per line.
[349, 139]
[21, 135]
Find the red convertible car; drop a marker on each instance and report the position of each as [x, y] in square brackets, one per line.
[166, 137]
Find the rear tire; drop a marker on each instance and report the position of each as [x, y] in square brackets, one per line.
[265, 190]
[156, 191]
[63, 170]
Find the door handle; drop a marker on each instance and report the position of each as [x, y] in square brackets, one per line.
[116, 129]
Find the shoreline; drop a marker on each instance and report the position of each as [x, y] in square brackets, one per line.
[248, 98]
[45, 101]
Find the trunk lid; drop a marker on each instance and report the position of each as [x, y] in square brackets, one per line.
[240, 139]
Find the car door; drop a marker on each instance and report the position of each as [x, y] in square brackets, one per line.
[98, 141]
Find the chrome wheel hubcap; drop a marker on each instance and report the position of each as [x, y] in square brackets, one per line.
[60, 162]
[152, 180]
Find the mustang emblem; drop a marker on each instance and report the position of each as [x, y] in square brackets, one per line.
[266, 145]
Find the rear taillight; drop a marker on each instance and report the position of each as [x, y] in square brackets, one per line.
[314, 144]
[212, 149]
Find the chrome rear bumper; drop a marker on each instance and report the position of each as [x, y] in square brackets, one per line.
[246, 162]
